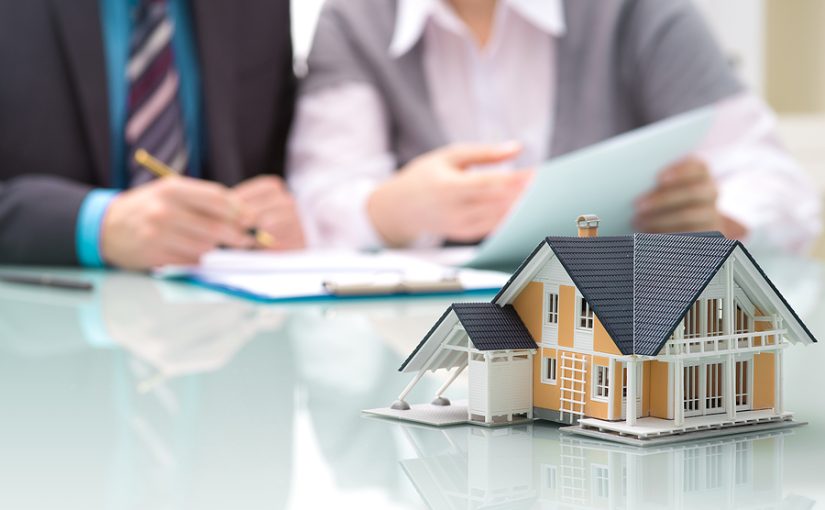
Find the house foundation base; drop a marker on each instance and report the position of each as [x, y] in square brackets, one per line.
[657, 431]
[439, 415]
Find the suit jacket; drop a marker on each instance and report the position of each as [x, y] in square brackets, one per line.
[54, 110]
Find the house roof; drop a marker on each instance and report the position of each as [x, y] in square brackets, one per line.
[489, 327]
[641, 286]
[493, 328]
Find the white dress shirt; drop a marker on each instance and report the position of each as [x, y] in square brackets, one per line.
[494, 94]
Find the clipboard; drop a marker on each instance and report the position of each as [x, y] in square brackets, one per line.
[325, 275]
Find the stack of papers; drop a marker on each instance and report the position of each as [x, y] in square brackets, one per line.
[323, 274]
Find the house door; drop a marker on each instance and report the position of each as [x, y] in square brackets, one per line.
[704, 389]
[638, 390]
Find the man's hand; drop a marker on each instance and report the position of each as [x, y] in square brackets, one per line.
[173, 220]
[684, 200]
[433, 194]
[270, 207]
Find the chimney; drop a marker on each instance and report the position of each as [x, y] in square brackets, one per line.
[588, 225]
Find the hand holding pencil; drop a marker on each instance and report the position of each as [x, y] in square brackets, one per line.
[174, 221]
[159, 169]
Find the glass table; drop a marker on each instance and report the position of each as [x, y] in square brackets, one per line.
[150, 394]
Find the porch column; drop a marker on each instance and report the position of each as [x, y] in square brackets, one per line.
[730, 387]
[729, 322]
[631, 391]
[678, 390]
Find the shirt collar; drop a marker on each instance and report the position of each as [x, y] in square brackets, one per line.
[412, 16]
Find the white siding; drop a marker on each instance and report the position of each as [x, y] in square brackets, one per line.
[582, 338]
[478, 387]
[553, 272]
[552, 275]
[510, 386]
[501, 387]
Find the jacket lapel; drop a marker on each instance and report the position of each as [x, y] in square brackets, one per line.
[214, 20]
[78, 24]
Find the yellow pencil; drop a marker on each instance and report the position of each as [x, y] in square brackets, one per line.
[160, 169]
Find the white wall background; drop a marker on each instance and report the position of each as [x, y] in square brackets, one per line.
[739, 28]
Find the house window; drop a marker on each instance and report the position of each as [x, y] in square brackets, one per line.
[601, 384]
[713, 386]
[585, 314]
[552, 308]
[743, 321]
[548, 375]
[742, 376]
[693, 322]
[714, 317]
[601, 481]
[638, 383]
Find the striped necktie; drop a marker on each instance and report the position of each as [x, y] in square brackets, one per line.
[155, 120]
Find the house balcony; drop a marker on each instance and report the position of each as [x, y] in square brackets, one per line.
[716, 345]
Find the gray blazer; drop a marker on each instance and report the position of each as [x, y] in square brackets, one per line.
[622, 64]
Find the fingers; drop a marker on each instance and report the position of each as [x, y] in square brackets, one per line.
[206, 198]
[485, 187]
[209, 232]
[464, 155]
[687, 219]
[684, 200]
[683, 173]
[663, 199]
[263, 187]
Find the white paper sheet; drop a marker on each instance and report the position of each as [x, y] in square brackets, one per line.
[301, 275]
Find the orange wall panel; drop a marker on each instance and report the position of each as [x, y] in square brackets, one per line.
[617, 394]
[546, 396]
[763, 380]
[602, 342]
[658, 389]
[594, 408]
[646, 368]
[529, 305]
[567, 305]
[763, 369]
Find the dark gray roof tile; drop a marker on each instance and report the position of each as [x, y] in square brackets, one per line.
[493, 328]
[641, 286]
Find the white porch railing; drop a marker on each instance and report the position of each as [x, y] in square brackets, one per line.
[725, 344]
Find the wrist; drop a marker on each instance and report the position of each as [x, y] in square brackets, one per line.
[90, 218]
[391, 216]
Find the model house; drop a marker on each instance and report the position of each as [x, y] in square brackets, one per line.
[639, 336]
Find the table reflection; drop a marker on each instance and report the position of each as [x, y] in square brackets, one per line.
[190, 400]
[535, 466]
[149, 394]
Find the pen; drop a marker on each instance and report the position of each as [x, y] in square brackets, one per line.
[46, 281]
[160, 169]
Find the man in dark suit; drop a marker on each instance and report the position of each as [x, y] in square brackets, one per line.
[205, 85]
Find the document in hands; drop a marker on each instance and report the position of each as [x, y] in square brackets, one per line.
[603, 179]
[274, 277]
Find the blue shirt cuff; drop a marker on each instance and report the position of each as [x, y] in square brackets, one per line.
[89, 221]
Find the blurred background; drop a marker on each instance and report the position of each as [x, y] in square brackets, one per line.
[776, 46]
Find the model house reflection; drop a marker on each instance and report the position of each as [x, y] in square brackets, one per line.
[534, 466]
